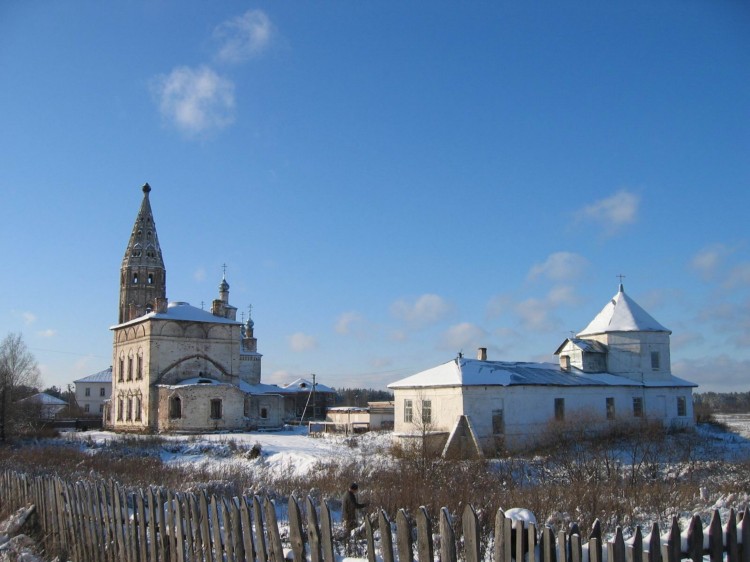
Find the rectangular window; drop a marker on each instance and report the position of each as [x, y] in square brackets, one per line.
[681, 406]
[610, 408]
[137, 408]
[408, 411]
[559, 409]
[426, 411]
[139, 368]
[498, 422]
[264, 413]
[121, 373]
[216, 409]
[655, 360]
[101, 408]
[86, 407]
[130, 368]
[637, 407]
[87, 392]
[102, 392]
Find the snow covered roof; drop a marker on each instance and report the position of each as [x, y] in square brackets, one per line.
[304, 385]
[44, 399]
[181, 311]
[243, 386]
[622, 314]
[101, 376]
[474, 372]
[588, 346]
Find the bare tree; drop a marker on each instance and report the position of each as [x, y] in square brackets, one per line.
[18, 369]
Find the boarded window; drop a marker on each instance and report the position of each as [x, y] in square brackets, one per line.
[264, 413]
[681, 406]
[175, 408]
[637, 407]
[559, 409]
[498, 422]
[426, 411]
[215, 409]
[655, 360]
[408, 411]
[610, 408]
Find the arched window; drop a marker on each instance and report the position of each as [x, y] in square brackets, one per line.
[175, 408]
[137, 408]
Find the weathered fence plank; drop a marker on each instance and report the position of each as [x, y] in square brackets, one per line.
[247, 529]
[313, 531]
[370, 539]
[425, 549]
[296, 536]
[447, 537]
[744, 533]
[386, 540]
[695, 539]
[260, 540]
[275, 549]
[403, 537]
[470, 529]
[326, 533]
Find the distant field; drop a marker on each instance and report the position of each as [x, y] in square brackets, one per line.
[739, 423]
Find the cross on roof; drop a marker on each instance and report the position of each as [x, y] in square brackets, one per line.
[621, 276]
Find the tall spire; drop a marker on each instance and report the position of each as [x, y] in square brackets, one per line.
[143, 277]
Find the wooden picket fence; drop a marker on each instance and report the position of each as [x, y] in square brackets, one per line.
[100, 522]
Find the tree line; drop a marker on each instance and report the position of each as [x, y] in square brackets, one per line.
[359, 397]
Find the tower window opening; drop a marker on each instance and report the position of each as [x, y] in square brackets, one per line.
[175, 408]
[135, 278]
[150, 279]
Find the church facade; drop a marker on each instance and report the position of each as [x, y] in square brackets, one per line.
[616, 371]
[176, 367]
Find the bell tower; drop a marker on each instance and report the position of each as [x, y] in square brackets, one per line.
[143, 278]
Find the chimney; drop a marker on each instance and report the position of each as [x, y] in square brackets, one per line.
[482, 354]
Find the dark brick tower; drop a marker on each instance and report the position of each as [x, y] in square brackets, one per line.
[143, 278]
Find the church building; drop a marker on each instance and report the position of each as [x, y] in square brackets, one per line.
[176, 367]
[616, 371]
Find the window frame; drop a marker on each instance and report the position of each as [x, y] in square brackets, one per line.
[408, 410]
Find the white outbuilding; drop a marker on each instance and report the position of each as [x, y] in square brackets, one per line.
[615, 371]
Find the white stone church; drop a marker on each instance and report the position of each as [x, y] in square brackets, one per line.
[177, 367]
[615, 371]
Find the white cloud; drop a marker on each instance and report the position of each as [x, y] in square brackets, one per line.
[613, 212]
[535, 315]
[562, 295]
[560, 266]
[715, 374]
[302, 342]
[739, 276]
[29, 318]
[195, 100]
[200, 274]
[243, 37]
[279, 377]
[347, 322]
[709, 260]
[49, 333]
[463, 336]
[427, 310]
[498, 305]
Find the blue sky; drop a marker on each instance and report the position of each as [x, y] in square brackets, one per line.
[389, 183]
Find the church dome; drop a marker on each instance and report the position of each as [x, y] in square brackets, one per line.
[622, 314]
